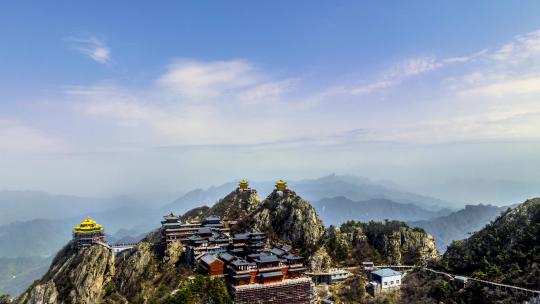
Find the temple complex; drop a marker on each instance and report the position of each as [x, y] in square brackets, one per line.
[87, 233]
[253, 272]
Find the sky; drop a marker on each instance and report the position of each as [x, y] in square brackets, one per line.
[104, 98]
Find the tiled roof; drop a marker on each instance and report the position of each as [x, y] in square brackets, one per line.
[241, 276]
[293, 257]
[208, 259]
[278, 251]
[273, 274]
[267, 259]
[204, 230]
[227, 257]
[299, 269]
[242, 236]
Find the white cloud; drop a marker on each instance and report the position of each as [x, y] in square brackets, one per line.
[513, 86]
[234, 102]
[92, 47]
[413, 67]
[17, 137]
[399, 73]
[372, 87]
[197, 79]
[521, 48]
[266, 91]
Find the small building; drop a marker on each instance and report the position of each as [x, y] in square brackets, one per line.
[281, 185]
[460, 280]
[330, 277]
[243, 185]
[368, 266]
[210, 265]
[386, 278]
[88, 233]
[242, 272]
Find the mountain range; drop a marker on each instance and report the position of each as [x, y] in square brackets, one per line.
[340, 209]
[150, 273]
[336, 198]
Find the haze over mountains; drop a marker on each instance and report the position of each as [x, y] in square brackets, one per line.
[45, 220]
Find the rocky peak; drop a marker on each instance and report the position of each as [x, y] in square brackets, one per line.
[285, 217]
[236, 205]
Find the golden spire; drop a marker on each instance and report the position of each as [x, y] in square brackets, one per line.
[281, 185]
[244, 184]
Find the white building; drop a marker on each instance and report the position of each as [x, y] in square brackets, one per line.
[117, 248]
[386, 278]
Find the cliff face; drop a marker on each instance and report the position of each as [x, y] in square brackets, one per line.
[387, 243]
[286, 217]
[74, 278]
[95, 275]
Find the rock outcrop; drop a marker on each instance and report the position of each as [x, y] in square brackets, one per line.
[74, 277]
[234, 206]
[286, 218]
[389, 243]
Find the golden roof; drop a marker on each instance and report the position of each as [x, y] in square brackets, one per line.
[88, 225]
[281, 185]
[244, 184]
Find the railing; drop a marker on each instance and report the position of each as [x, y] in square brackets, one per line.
[452, 277]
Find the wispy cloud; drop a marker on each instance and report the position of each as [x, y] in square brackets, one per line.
[93, 47]
[17, 137]
[235, 102]
[512, 86]
[511, 69]
[197, 79]
[399, 73]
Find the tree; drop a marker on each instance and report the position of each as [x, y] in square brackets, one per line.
[5, 299]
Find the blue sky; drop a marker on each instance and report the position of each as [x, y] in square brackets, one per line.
[105, 98]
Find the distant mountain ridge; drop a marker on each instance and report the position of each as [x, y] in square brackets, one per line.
[30, 205]
[340, 209]
[352, 187]
[458, 225]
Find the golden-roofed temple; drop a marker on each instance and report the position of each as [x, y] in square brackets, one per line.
[281, 185]
[87, 233]
[244, 184]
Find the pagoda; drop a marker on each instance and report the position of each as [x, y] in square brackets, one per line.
[243, 185]
[281, 185]
[87, 233]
